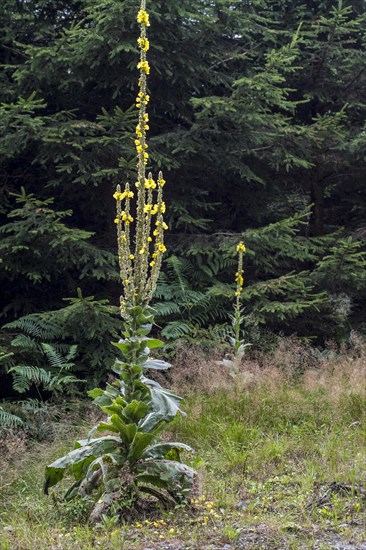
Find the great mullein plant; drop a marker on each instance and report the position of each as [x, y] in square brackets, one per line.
[234, 362]
[123, 464]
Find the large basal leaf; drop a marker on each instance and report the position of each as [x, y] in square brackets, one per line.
[159, 450]
[85, 449]
[173, 473]
[56, 471]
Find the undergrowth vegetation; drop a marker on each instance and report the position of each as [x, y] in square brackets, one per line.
[280, 455]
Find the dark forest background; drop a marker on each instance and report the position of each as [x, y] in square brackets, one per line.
[257, 118]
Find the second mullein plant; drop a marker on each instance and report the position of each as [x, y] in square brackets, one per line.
[123, 464]
[234, 362]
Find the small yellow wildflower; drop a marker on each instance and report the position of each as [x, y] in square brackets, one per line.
[152, 263]
[161, 182]
[165, 227]
[241, 247]
[149, 239]
[147, 208]
[117, 220]
[127, 281]
[132, 257]
[162, 248]
[142, 250]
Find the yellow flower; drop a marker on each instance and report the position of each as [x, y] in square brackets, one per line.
[132, 257]
[162, 248]
[126, 281]
[143, 250]
[150, 184]
[118, 196]
[241, 247]
[239, 279]
[143, 18]
[147, 208]
[139, 149]
[146, 117]
[152, 263]
[117, 220]
[126, 217]
[144, 44]
[165, 226]
[161, 182]
[144, 67]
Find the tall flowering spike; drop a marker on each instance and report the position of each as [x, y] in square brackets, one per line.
[239, 276]
[140, 260]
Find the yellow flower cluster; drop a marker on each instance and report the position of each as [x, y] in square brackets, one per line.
[207, 507]
[124, 195]
[144, 44]
[142, 99]
[239, 279]
[144, 66]
[143, 18]
[150, 184]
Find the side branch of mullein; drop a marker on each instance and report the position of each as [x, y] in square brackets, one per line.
[140, 263]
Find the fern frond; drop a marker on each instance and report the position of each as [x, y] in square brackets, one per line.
[26, 375]
[9, 420]
[175, 329]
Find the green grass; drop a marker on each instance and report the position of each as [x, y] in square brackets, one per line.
[265, 453]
